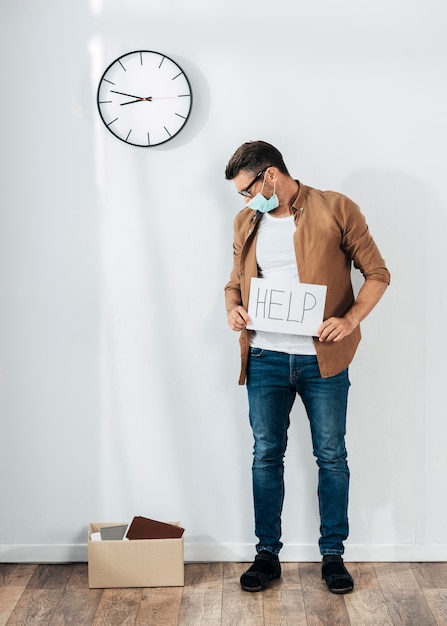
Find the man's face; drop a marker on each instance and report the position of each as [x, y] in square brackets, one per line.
[249, 184]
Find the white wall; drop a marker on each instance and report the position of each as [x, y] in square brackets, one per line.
[118, 374]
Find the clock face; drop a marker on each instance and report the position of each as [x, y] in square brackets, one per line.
[144, 98]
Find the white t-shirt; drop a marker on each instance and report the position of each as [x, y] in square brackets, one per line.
[275, 254]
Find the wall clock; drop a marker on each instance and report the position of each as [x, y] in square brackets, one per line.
[144, 98]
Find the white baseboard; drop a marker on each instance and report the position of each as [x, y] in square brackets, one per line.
[306, 553]
[41, 553]
[204, 552]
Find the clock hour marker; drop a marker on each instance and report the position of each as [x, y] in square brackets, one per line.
[128, 134]
[182, 116]
[122, 66]
[110, 123]
[148, 140]
[161, 62]
[179, 74]
[105, 101]
[141, 58]
[184, 95]
[108, 81]
[167, 131]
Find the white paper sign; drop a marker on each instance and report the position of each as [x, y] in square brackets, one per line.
[285, 306]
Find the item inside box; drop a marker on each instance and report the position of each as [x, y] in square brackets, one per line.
[139, 528]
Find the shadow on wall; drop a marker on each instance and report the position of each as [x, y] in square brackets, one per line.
[386, 429]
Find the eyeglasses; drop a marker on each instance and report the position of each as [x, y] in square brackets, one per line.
[245, 192]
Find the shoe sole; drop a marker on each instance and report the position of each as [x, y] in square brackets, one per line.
[341, 591]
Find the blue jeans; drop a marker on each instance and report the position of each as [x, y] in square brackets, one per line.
[273, 380]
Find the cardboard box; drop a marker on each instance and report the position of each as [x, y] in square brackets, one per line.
[134, 563]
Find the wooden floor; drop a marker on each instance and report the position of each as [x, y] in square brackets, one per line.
[385, 594]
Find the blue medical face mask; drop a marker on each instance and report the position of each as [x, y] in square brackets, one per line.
[261, 203]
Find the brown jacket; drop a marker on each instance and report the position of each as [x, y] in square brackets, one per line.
[331, 234]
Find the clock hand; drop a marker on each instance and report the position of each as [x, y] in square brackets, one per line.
[137, 100]
[149, 99]
[125, 94]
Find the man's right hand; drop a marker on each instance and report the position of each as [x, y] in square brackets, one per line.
[238, 318]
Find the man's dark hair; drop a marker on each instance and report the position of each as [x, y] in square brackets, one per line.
[253, 157]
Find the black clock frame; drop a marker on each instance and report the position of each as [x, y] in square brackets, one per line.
[123, 56]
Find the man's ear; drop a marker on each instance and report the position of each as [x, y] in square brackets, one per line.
[272, 174]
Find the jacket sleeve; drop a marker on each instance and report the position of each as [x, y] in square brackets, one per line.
[358, 243]
[233, 295]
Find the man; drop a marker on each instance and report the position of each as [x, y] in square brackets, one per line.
[288, 230]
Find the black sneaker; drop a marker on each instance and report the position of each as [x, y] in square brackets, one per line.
[266, 567]
[335, 574]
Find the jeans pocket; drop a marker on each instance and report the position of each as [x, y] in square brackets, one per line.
[256, 352]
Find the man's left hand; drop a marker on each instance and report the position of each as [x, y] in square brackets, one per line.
[334, 329]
